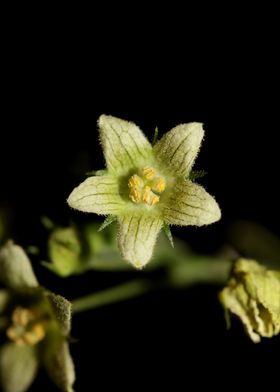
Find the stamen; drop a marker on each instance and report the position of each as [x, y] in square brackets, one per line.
[159, 185]
[135, 195]
[147, 194]
[149, 173]
[155, 200]
[143, 189]
[26, 327]
[135, 181]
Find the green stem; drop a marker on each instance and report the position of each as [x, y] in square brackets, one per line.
[200, 269]
[118, 293]
[182, 274]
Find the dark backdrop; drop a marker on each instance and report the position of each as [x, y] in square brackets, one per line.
[55, 87]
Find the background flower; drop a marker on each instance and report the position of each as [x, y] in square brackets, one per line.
[36, 323]
[253, 294]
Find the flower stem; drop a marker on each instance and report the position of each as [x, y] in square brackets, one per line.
[118, 293]
[182, 274]
[200, 269]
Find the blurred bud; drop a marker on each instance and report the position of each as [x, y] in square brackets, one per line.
[64, 251]
[253, 294]
[73, 250]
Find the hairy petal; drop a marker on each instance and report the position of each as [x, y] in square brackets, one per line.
[124, 144]
[62, 311]
[190, 204]
[97, 194]
[179, 147]
[137, 238]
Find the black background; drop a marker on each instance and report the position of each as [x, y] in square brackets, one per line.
[58, 78]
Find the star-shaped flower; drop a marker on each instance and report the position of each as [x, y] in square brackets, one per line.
[146, 186]
[36, 323]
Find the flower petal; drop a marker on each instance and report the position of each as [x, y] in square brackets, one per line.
[191, 205]
[124, 144]
[179, 147]
[59, 363]
[230, 302]
[267, 288]
[18, 367]
[137, 237]
[97, 194]
[15, 268]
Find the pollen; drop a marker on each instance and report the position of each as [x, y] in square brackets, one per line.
[26, 327]
[146, 187]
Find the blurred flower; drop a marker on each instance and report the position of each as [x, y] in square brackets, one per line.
[253, 294]
[146, 187]
[36, 323]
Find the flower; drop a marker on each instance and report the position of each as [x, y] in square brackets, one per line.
[36, 323]
[146, 186]
[253, 294]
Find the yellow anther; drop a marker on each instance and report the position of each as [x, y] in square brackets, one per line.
[159, 185]
[26, 327]
[135, 195]
[147, 194]
[149, 197]
[155, 200]
[135, 181]
[149, 172]
[143, 189]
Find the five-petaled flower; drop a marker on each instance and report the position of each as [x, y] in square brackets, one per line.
[36, 323]
[146, 186]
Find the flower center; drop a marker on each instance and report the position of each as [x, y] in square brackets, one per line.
[27, 327]
[146, 187]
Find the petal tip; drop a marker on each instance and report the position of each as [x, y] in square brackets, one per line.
[137, 237]
[103, 119]
[71, 199]
[216, 211]
[140, 264]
